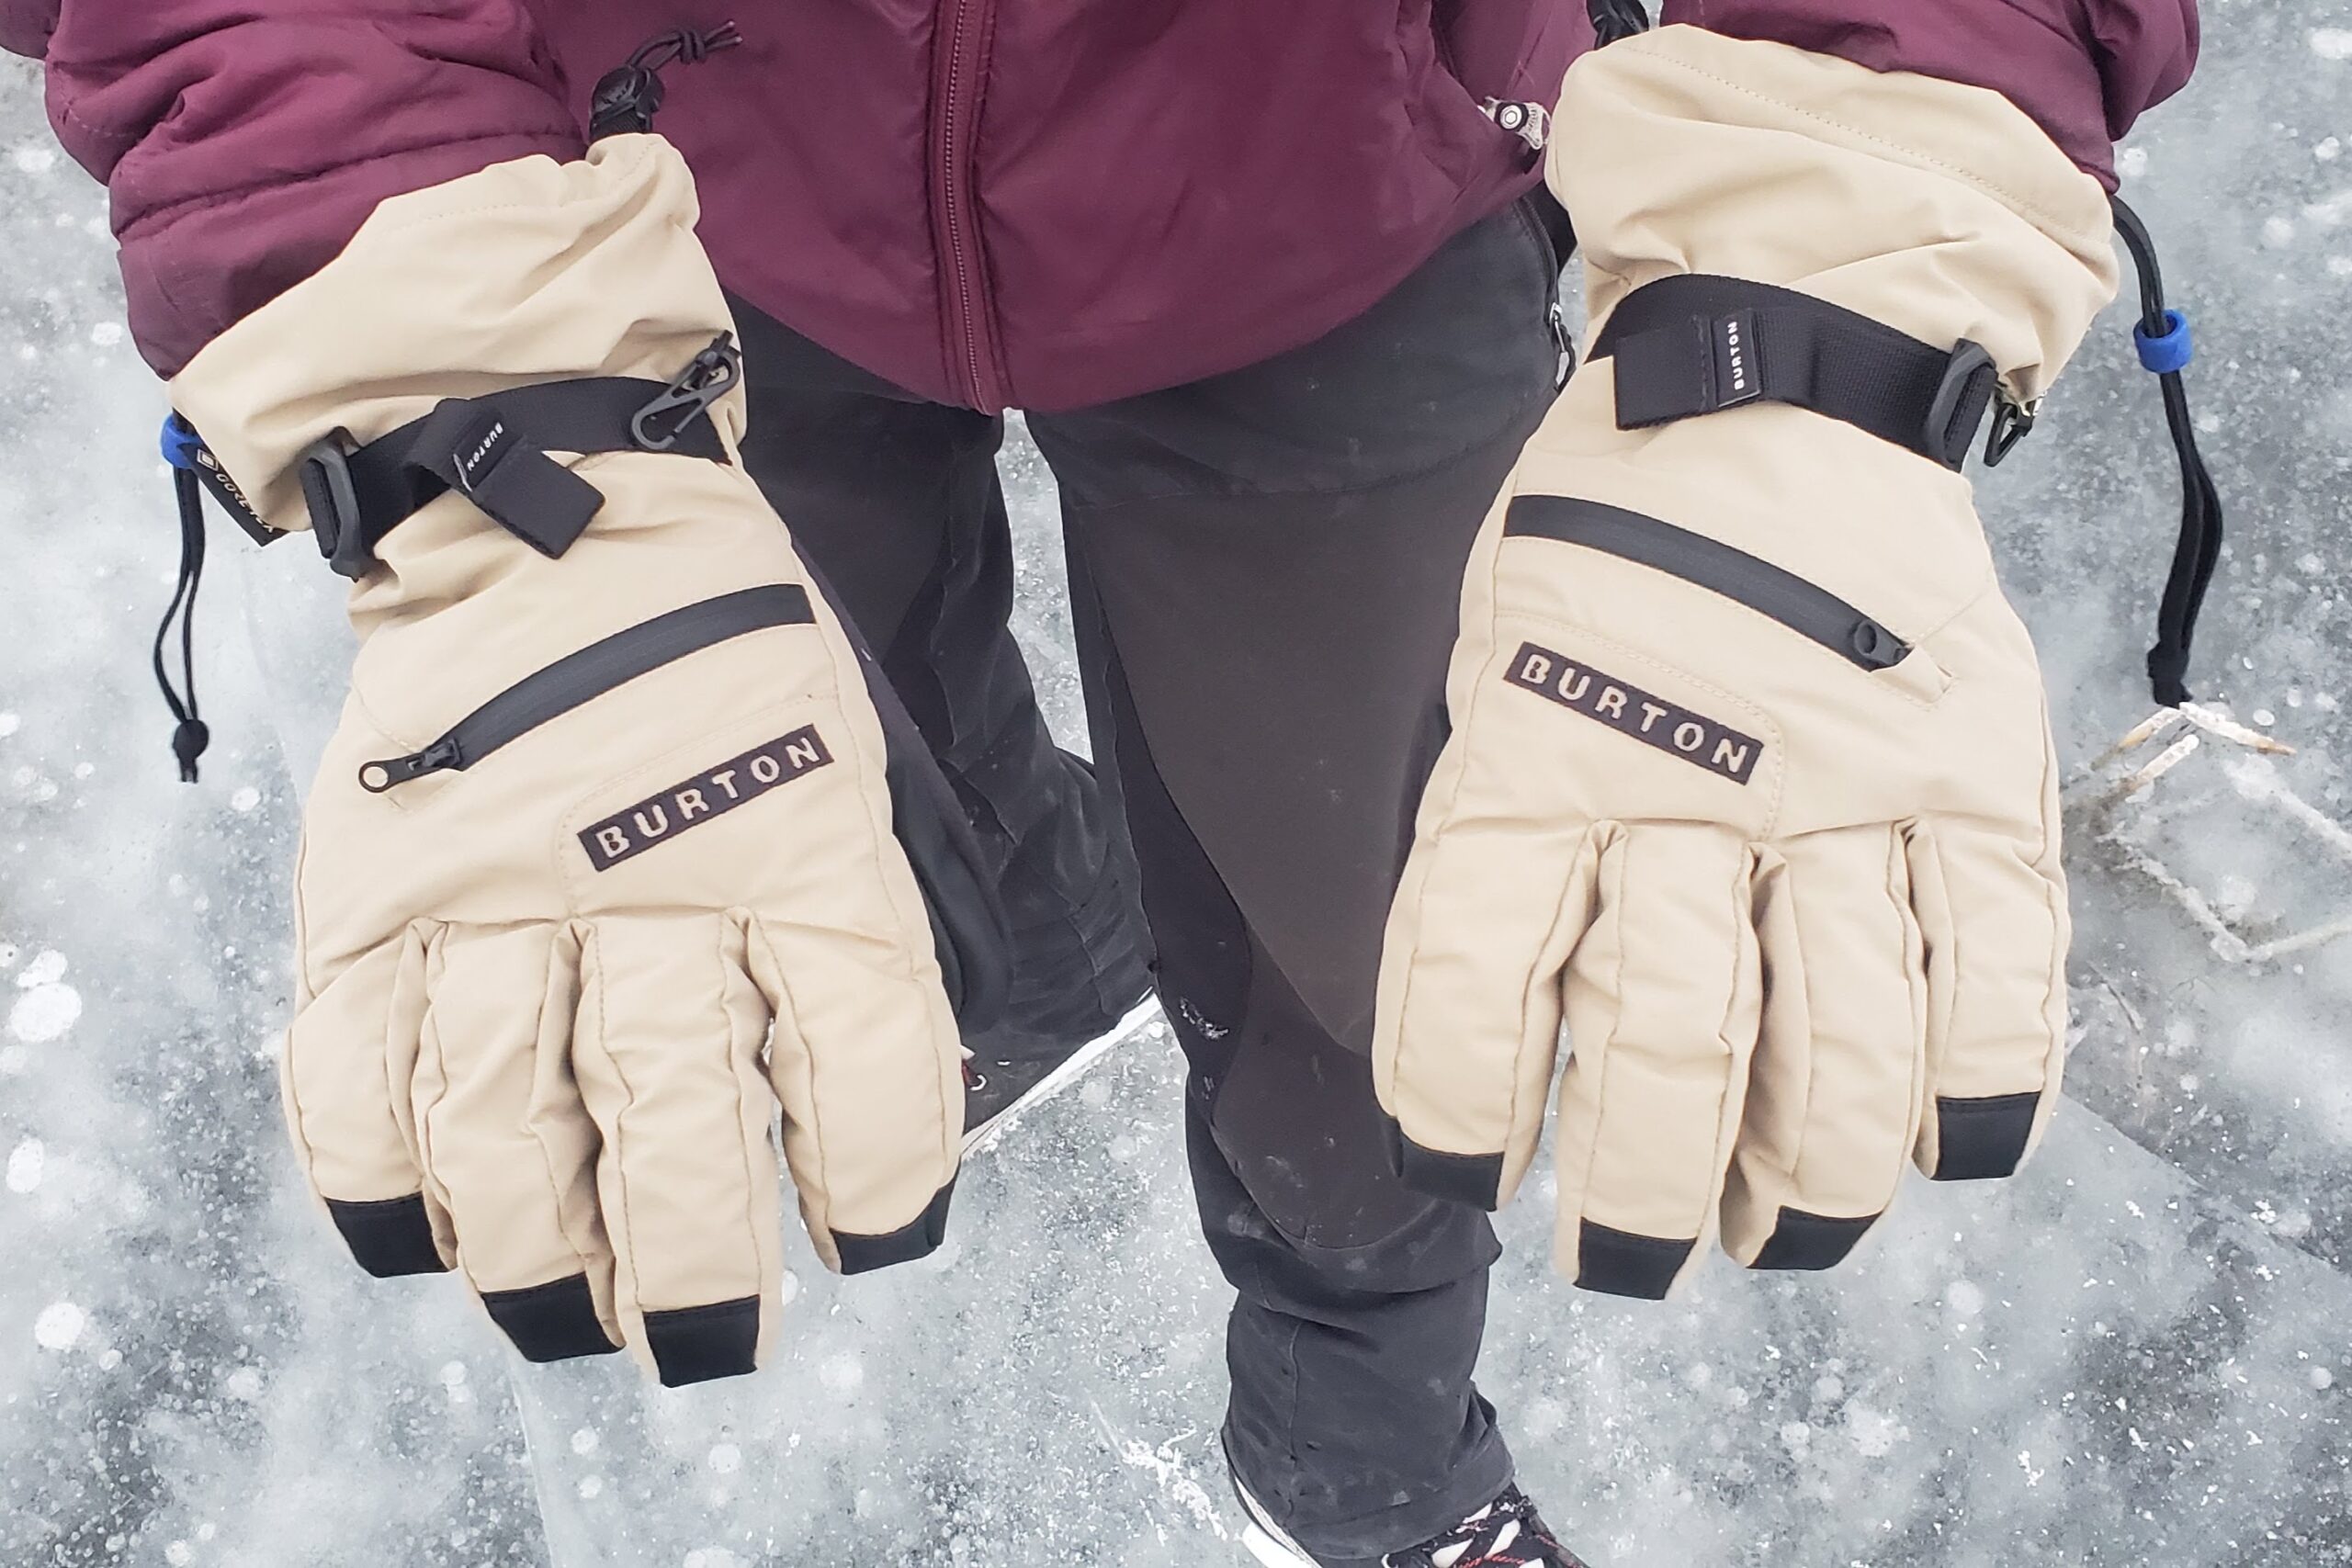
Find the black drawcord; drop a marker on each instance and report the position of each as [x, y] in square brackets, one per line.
[190, 737]
[2162, 338]
[628, 96]
[1615, 19]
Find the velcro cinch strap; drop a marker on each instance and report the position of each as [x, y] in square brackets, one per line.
[1698, 345]
[493, 450]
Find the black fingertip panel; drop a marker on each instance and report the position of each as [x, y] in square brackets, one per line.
[1812, 1241]
[390, 1236]
[693, 1345]
[554, 1322]
[1475, 1180]
[919, 1238]
[1619, 1263]
[1982, 1140]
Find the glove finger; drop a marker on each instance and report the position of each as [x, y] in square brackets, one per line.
[666, 1053]
[868, 1065]
[1833, 1100]
[1993, 917]
[1663, 999]
[1468, 1023]
[507, 1146]
[349, 1056]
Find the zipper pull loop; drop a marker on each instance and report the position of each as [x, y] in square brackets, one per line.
[1558, 317]
[628, 96]
[442, 755]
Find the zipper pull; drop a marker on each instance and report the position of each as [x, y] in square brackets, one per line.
[1564, 343]
[442, 755]
[1531, 123]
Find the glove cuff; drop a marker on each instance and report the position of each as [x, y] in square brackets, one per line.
[527, 272]
[1938, 208]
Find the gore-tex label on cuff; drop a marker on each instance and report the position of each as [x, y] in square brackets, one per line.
[1625, 708]
[736, 782]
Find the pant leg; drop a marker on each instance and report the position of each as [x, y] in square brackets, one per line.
[896, 504]
[1267, 569]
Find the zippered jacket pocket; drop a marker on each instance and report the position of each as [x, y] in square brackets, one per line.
[1805, 608]
[581, 677]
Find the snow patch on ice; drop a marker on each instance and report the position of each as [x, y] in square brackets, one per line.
[844, 1374]
[1166, 1466]
[60, 1327]
[9, 723]
[2332, 43]
[25, 1163]
[43, 1013]
[39, 160]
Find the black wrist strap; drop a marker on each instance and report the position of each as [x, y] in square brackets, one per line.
[1697, 343]
[495, 450]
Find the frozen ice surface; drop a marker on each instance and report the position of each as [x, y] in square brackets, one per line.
[2137, 1354]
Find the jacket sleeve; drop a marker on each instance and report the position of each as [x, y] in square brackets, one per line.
[244, 144]
[2083, 69]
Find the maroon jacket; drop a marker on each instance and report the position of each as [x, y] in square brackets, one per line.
[1047, 203]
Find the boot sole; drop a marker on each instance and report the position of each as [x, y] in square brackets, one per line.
[1262, 1538]
[988, 1134]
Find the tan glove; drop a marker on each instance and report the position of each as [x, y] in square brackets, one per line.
[1751, 768]
[599, 866]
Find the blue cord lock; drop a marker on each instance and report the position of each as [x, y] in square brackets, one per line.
[180, 442]
[2169, 351]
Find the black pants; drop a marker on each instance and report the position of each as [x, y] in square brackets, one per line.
[1265, 569]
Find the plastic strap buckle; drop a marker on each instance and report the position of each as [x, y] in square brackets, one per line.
[337, 524]
[1969, 382]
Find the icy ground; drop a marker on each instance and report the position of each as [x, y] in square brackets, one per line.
[2138, 1355]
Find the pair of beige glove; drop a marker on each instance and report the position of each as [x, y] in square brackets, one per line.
[600, 865]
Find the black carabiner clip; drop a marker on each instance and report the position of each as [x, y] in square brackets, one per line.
[709, 377]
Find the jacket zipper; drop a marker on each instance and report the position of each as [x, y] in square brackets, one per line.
[958, 89]
[1803, 608]
[581, 677]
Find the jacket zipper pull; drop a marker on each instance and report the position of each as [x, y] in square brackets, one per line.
[1564, 343]
[628, 96]
[442, 755]
[1531, 123]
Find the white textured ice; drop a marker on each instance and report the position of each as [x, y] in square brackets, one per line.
[2137, 1354]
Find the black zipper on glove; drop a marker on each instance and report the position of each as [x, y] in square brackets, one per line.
[583, 677]
[1802, 607]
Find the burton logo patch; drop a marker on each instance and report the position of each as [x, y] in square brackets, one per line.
[1672, 728]
[736, 782]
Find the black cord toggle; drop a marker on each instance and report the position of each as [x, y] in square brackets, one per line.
[628, 96]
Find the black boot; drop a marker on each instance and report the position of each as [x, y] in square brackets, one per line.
[1506, 1533]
